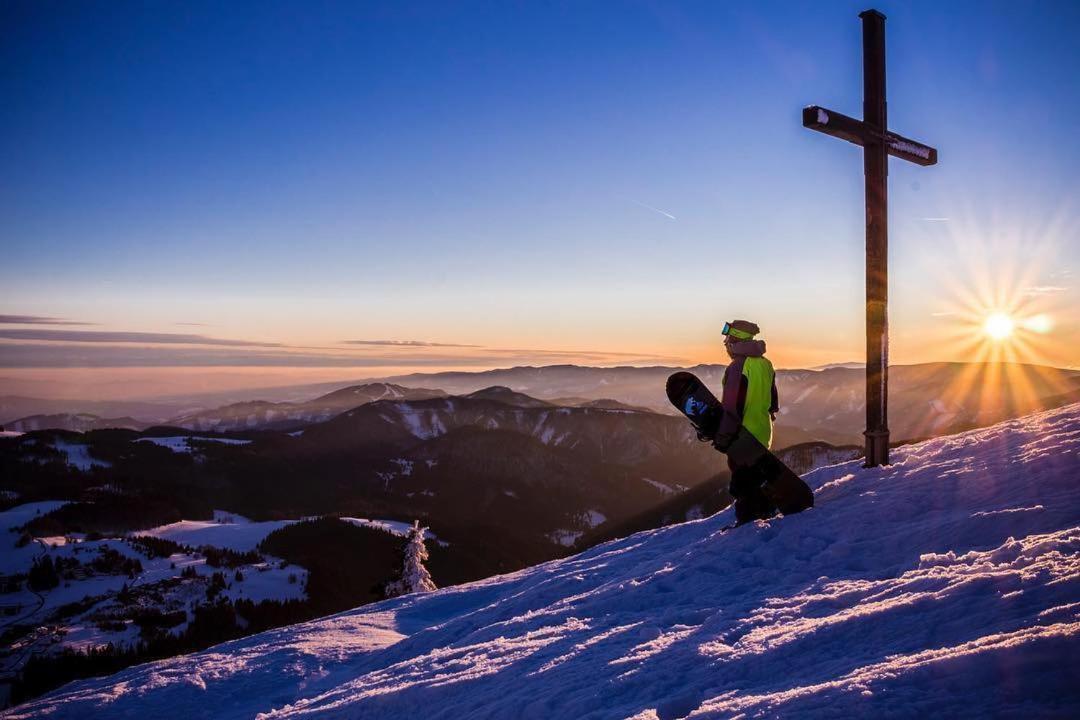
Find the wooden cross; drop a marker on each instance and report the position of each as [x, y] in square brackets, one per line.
[872, 134]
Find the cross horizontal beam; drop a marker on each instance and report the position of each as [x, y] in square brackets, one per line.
[856, 131]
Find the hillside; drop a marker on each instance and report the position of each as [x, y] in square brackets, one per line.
[289, 415]
[508, 486]
[945, 585]
[13, 407]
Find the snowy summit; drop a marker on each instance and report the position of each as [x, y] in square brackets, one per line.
[945, 585]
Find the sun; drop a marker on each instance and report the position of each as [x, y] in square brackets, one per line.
[999, 326]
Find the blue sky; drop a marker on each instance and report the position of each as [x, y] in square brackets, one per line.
[609, 177]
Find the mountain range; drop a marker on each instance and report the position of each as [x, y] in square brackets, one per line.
[816, 405]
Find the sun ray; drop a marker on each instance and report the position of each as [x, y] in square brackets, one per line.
[1000, 311]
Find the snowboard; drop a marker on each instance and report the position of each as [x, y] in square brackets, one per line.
[779, 482]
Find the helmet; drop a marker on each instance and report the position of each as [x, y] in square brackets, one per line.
[740, 329]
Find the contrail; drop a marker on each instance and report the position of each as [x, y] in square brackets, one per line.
[656, 210]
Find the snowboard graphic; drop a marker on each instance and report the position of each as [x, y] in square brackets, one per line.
[780, 483]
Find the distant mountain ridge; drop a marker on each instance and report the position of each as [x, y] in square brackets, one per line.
[77, 422]
[259, 414]
[823, 405]
[16, 407]
[500, 393]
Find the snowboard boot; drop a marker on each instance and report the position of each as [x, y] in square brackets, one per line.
[754, 506]
[751, 502]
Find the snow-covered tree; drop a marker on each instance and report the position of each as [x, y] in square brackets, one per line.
[414, 576]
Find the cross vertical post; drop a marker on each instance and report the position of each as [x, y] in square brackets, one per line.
[872, 134]
[876, 170]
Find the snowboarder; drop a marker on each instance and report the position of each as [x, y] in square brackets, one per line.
[749, 396]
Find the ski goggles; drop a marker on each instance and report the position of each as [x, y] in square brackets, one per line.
[736, 333]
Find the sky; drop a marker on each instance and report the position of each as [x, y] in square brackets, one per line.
[354, 189]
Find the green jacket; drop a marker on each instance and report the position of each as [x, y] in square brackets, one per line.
[750, 390]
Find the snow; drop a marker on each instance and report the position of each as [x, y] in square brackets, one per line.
[394, 527]
[78, 455]
[265, 580]
[804, 394]
[22, 514]
[945, 585]
[406, 466]
[595, 518]
[566, 538]
[424, 425]
[414, 576]
[15, 559]
[239, 534]
[10, 433]
[182, 443]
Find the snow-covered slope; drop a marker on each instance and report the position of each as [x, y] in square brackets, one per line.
[943, 586]
[226, 530]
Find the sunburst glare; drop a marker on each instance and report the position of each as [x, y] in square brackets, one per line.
[998, 312]
[999, 326]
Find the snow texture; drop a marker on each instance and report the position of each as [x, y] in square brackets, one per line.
[234, 532]
[945, 585]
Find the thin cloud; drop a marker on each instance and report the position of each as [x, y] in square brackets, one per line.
[37, 320]
[51, 355]
[944, 313]
[499, 352]
[91, 336]
[103, 356]
[83, 348]
[666, 214]
[188, 324]
[589, 354]
[936, 219]
[1043, 290]
[407, 343]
